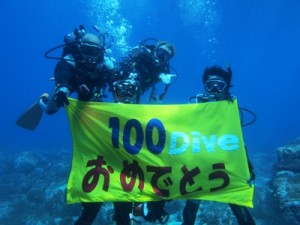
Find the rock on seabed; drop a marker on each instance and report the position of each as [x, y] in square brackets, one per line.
[286, 182]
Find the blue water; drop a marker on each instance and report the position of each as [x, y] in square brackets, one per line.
[259, 39]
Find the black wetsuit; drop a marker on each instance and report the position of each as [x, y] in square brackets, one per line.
[241, 213]
[91, 209]
[74, 76]
[142, 60]
[86, 82]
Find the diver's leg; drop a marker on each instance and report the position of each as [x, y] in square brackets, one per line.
[242, 215]
[122, 212]
[190, 212]
[89, 212]
[155, 211]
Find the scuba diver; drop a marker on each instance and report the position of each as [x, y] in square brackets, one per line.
[125, 91]
[144, 67]
[149, 64]
[129, 91]
[217, 83]
[83, 68]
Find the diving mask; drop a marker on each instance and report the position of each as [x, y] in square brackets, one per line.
[215, 85]
[163, 54]
[90, 50]
[90, 53]
[126, 91]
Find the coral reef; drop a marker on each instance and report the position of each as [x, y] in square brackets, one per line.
[33, 191]
[286, 182]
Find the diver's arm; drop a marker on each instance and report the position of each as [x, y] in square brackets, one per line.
[251, 169]
[59, 96]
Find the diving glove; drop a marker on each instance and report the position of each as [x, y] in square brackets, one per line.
[205, 98]
[166, 78]
[61, 97]
[84, 90]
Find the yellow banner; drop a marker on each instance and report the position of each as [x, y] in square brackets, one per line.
[138, 153]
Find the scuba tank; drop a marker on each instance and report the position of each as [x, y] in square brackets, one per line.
[71, 44]
[72, 41]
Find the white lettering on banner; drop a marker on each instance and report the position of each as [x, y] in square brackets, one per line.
[180, 142]
[228, 142]
[195, 141]
[174, 150]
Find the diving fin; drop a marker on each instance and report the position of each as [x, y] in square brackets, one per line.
[31, 117]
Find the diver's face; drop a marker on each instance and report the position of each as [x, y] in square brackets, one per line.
[164, 54]
[90, 54]
[216, 85]
[124, 92]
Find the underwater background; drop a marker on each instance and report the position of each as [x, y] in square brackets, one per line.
[259, 39]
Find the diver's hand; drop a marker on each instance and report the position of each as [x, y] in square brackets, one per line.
[231, 98]
[252, 178]
[166, 78]
[61, 97]
[84, 90]
[205, 98]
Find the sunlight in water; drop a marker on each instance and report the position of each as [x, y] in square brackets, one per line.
[203, 17]
[107, 17]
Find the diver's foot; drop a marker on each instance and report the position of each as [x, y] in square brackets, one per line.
[43, 100]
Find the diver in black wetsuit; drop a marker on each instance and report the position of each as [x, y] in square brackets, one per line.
[217, 83]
